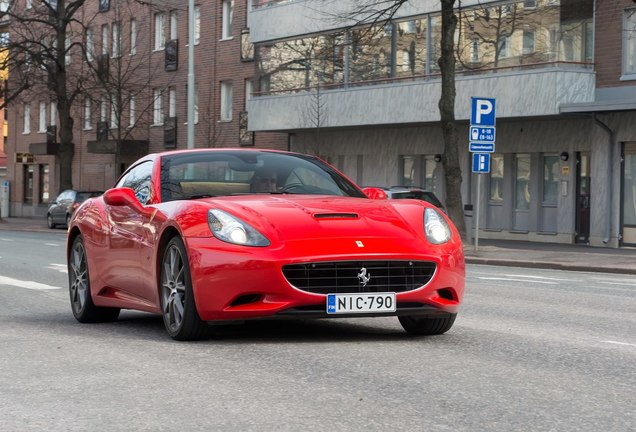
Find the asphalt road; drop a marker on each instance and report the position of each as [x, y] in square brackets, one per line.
[532, 350]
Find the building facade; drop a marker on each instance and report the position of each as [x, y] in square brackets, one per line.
[129, 62]
[562, 73]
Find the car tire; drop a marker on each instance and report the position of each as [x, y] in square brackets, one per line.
[180, 315]
[49, 221]
[420, 326]
[84, 310]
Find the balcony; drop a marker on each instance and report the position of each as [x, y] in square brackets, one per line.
[533, 91]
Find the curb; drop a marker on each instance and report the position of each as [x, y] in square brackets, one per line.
[548, 265]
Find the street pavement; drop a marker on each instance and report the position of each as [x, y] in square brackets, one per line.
[490, 252]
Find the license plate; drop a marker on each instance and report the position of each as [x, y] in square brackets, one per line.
[360, 303]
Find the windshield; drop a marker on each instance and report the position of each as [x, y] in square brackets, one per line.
[223, 173]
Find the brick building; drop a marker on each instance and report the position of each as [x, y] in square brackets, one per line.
[133, 97]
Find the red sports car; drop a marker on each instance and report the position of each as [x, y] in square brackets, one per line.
[216, 235]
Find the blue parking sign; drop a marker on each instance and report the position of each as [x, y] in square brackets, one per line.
[482, 112]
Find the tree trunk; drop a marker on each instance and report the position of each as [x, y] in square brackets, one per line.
[450, 161]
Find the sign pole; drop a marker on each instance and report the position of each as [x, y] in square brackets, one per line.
[477, 212]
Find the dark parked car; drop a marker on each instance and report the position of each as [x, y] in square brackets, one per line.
[413, 192]
[61, 210]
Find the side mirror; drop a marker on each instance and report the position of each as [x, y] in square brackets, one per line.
[119, 197]
[374, 193]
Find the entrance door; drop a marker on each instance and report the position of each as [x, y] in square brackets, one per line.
[582, 197]
[628, 211]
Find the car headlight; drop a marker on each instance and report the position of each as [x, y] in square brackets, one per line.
[436, 227]
[230, 229]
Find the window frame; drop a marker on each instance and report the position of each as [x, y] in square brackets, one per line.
[225, 112]
[629, 45]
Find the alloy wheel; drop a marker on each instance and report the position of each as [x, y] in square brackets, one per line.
[79, 277]
[173, 288]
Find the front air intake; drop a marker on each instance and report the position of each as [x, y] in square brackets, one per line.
[336, 216]
[359, 276]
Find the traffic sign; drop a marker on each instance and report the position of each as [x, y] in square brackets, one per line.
[482, 134]
[481, 162]
[482, 112]
[474, 147]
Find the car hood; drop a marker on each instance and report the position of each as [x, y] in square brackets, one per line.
[294, 217]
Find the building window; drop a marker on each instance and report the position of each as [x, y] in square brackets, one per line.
[104, 5]
[53, 113]
[496, 179]
[90, 48]
[133, 110]
[551, 168]
[114, 118]
[504, 47]
[197, 24]
[87, 114]
[173, 25]
[157, 111]
[67, 50]
[226, 100]
[133, 36]
[629, 43]
[474, 50]
[102, 109]
[528, 41]
[105, 38]
[248, 91]
[42, 123]
[44, 183]
[408, 167]
[116, 40]
[160, 36]
[27, 119]
[247, 47]
[530, 4]
[172, 102]
[228, 18]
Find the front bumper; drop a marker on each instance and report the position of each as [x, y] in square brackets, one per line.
[239, 283]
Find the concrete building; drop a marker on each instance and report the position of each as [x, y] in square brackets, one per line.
[130, 62]
[562, 73]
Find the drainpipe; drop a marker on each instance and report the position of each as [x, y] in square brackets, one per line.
[610, 181]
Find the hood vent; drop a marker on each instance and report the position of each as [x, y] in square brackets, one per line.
[336, 216]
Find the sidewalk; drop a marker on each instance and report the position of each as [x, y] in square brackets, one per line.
[491, 252]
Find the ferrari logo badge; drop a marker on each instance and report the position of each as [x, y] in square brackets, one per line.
[359, 243]
[363, 277]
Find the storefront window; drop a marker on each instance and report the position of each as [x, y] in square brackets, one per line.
[496, 178]
[551, 166]
[28, 183]
[629, 190]
[522, 182]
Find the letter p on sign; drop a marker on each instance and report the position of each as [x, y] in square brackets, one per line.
[482, 112]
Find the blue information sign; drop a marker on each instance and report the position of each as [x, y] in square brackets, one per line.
[481, 162]
[482, 134]
[481, 147]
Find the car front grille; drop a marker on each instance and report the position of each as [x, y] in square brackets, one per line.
[350, 276]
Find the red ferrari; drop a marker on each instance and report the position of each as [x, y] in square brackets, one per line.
[214, 235]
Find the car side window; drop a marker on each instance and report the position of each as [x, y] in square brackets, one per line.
[139, 180]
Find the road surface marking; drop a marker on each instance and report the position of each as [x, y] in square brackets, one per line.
[617, 283]
[52, 244]
[619, 343]
[26, 284]
[517, 280]
[58, 267]
[6, 239]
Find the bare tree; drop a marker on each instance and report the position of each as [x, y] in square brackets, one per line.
[376, 12]
[314, 115]
[41, 41]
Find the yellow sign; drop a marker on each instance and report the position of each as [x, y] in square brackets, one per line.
[565, 171]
